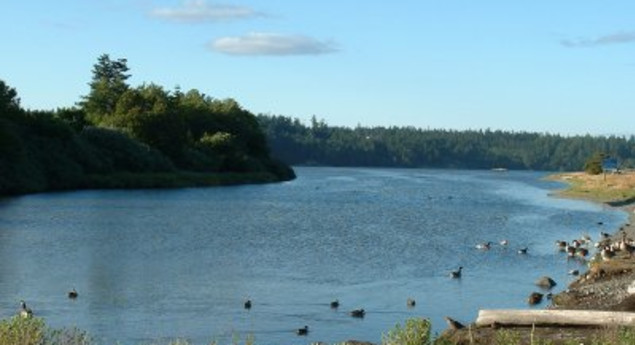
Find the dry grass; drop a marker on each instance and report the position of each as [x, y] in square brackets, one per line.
[602, 188]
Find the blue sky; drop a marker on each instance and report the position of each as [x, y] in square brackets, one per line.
[542, 66]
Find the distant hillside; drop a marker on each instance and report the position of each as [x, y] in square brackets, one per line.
[125, 137]
[319, 144]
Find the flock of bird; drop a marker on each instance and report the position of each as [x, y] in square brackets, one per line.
[607, 248]
[358, 313]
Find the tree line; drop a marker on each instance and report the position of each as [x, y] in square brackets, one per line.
[317, 143]
[119, 136]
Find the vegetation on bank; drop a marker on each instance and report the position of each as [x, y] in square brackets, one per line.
[612, 188]
[320, 144]
[415, 331]
[131, 137]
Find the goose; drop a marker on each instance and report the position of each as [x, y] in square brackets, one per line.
[73, 294]
[453, 324]
[534, 298]
[302, 331]
[457, 273]
[25, 312]
[335, 304]
[523, 250]
[358, 313]
[484, 246]
[247, 304]
[410, 303]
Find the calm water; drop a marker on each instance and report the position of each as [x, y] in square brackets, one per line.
[160, 264]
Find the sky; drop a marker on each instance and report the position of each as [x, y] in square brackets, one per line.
[555, 66]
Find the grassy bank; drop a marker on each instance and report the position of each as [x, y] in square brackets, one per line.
[415, 331]
[608, 188]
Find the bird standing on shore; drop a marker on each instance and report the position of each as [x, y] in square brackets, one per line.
[453, 324]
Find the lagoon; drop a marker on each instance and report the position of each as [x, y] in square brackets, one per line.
[162, 264]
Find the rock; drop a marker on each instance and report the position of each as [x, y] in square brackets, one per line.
[545, 282]
[631, 288]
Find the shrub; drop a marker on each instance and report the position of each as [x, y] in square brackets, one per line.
[416, 331]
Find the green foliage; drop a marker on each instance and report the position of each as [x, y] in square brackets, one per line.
[318, 144]
[107, 85]
[416, 331]
[593, 166]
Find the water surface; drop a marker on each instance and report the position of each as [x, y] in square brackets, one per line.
[162, 264]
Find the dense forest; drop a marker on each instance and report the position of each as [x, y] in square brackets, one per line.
[120, 136]
[319, 144]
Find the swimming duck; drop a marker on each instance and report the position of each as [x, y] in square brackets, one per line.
[562, 245]
[73, 294]
[25, 312]
[484, 246]
[504, 242]
[574, 272]
[302, 331]
[453, 324]
[523, 250]
[247, 304]
[410, 303]
[457, 273]
[335, 304]
[358, 313]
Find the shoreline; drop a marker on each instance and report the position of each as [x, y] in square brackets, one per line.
[604, 286]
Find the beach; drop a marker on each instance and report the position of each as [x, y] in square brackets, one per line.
[603, 287]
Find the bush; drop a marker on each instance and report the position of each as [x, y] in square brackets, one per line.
[415, 332]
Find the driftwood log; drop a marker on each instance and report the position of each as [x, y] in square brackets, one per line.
[566, 318]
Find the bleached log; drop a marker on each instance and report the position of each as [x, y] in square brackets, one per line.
[572, 318]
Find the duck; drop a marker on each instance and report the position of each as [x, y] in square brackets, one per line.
[453, 324]
[457, 273]
[562, 245]
[335, 304]
[534, 298]
[583, 252]
[302, 331]
[504, 242]
[410, 303]
[247, 304]
[484, 246]
[73, 294]
[25, 312]
[358, 313]
[523, 250]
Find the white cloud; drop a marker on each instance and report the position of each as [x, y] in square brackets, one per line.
[259, 43]
[200, 11]
[617, 38]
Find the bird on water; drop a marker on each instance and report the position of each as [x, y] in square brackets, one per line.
[73, 294]
[457, 273]
[247, 304]
[25, 311]
[335, 304]
[302, 331]
[358, 313]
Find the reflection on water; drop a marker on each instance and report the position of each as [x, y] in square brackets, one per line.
[163, 264]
